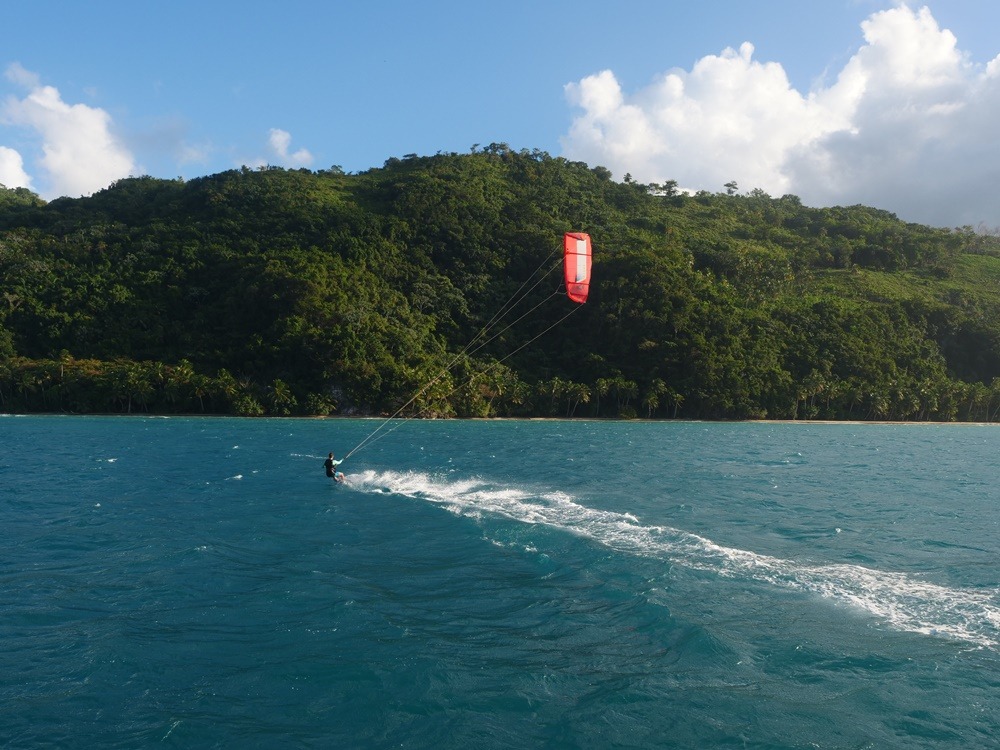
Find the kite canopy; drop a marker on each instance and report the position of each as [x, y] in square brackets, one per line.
[576, 265]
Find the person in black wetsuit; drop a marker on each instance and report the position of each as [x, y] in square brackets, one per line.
[331, 465]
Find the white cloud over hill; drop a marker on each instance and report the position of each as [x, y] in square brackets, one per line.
[908, 125]
[80, 152]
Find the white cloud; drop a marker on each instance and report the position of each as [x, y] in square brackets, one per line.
[80, 151]
[15, 73]
[280, 140]
[12, 174]
[169, 135]
[908, 125]
[193, 153]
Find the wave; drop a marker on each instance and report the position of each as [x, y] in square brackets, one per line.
[902, 601]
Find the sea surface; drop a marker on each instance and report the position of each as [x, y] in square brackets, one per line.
[199, 583]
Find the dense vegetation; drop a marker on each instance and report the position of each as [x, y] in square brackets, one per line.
[297, 292]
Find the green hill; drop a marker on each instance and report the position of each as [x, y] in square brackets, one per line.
[295, 292]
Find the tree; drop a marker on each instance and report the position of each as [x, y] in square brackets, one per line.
[280, 399]
[651, 399]
[342, 292]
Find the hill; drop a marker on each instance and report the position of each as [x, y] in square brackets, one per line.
[279, 291]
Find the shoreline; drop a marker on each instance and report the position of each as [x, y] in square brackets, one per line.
[637, 420]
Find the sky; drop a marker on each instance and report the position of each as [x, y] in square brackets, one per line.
[884, 103]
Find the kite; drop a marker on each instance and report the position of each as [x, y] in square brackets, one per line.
[576, 265]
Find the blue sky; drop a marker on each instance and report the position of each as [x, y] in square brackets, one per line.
[838, 101]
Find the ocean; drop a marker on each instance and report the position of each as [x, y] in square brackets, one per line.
[200, 583]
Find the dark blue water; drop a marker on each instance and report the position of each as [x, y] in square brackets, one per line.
[201, 583]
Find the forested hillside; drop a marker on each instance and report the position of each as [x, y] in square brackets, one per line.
[279, 291]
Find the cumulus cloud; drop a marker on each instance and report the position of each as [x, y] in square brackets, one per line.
[80, 151]
[280, 141]
[907, 125]
[12, 174]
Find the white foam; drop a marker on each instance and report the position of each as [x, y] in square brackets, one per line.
[902, 601]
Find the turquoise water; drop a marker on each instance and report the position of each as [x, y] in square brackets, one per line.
[201, 583]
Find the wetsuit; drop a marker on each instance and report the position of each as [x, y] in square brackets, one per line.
[330, 465]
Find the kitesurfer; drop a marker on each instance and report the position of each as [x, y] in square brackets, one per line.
[331, 465]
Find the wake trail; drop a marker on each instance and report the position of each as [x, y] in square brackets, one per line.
[903, 601]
